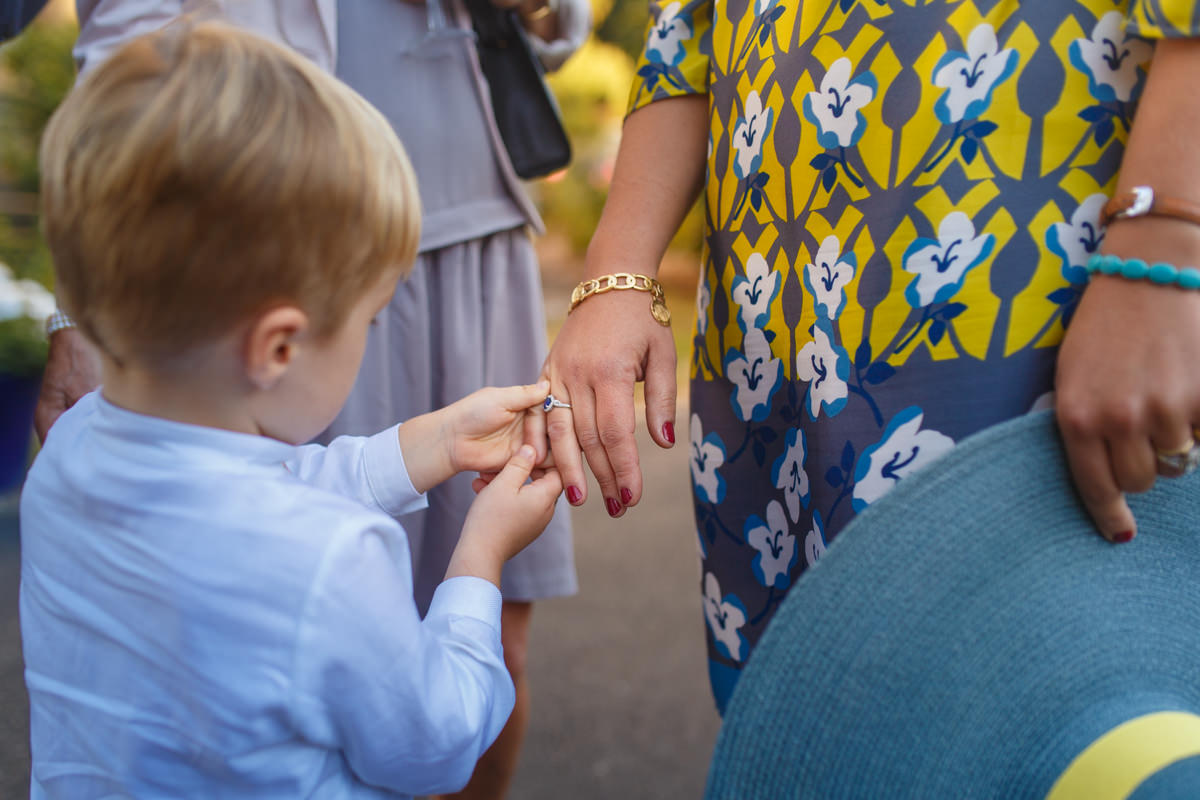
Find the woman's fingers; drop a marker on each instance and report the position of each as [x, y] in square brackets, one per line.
[660, 391]
[616, 429]
[564, 447]
[1091, 468]
[587, 432]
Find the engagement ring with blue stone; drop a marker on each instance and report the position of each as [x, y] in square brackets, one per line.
[553, 402]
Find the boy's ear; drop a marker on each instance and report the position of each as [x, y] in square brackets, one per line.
[272, 344]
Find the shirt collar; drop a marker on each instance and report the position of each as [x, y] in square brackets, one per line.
[150, 439]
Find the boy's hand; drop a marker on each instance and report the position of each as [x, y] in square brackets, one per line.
[508, 514]
[485, 428]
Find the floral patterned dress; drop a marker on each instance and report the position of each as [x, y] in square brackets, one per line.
[901, 199]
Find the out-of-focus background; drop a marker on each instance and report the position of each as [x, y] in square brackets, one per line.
[621, 702]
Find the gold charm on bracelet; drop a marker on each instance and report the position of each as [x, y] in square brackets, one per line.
[625, 280]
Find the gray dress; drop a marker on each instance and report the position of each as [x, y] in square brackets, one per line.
[470, 315]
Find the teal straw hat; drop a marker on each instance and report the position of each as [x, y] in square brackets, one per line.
[971, 636]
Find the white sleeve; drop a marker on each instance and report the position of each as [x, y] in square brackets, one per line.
[369, 469]
[574, 25]
[106, 25]
[411, 705]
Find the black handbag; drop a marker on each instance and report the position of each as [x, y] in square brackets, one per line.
[525, 111]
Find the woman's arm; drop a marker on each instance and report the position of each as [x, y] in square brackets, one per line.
[1129, 369]
[610, 341]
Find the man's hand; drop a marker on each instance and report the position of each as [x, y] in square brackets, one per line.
[72, 370]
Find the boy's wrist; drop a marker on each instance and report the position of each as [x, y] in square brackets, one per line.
[426, 449]
[475, 559]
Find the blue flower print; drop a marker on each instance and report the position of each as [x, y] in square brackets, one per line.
[788, 473]
[664, 43]
[707, 456]
[725, 617]
[814, 541]
[703, 299]
[756, 376]
[903, 449]
[970, 77]
[755, 292]
[826, 279]
[942, 265]
[774, 545]
[826, 367]
[836, 107]
[1076, 241]
[749, 133]
[1111, 60]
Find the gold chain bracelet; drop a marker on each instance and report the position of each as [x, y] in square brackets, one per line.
[625, 280]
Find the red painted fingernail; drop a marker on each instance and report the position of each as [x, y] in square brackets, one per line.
[626, 496]
[614, 507]
[574, 496]
[669, 432]
[1123, 537]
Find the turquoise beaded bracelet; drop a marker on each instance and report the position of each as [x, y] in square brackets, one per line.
[1136, 269]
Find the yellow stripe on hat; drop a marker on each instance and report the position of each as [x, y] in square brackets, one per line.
[1114, 765]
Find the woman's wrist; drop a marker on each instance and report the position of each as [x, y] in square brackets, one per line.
[1154, 239]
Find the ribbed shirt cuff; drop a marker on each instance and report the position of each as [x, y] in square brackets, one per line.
[387, 475]
[467, 596]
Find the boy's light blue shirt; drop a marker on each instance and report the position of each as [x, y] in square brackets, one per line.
[213, 614]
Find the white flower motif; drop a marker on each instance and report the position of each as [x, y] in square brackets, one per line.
[814, 541]
[756, 375]
[708, 454]
[826, 366]
[12, 300]
[903, 449]
[1077, 240]
[827, 278]
[755, 292]
[23, 298]
[775, 544]
[836, 108]
[725, 617]
[762, 6]
[941, 266]
[970, 77]
[788, 474]
[748, 135]
[703, 298]
[1110, 59]
[664, 43]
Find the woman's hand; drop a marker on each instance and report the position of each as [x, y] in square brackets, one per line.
[609, 342]
[1128, 382]
[72, 370]
[1128, 385]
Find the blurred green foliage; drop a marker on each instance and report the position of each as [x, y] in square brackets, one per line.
[36, 70]
[593, 91]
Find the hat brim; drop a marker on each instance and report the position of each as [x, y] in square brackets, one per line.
[969, 635]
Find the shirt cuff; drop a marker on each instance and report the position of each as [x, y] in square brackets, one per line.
[388, 477]
[467, 596]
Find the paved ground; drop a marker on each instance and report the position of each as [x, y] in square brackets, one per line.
[621, 704]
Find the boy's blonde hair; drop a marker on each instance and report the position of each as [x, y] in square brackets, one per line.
[203, 175]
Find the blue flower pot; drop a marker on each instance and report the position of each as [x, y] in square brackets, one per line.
[18, 396]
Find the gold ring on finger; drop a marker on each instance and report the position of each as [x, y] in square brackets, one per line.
[1180, 461]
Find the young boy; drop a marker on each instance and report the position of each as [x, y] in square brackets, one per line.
[207, 609]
